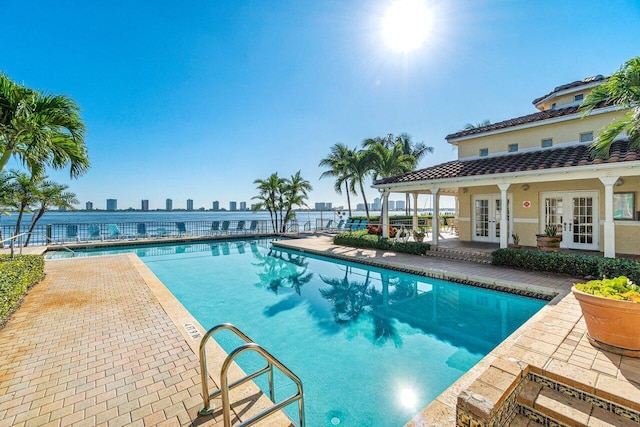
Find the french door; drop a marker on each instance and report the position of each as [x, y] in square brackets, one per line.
[487, 213]
[576, 215]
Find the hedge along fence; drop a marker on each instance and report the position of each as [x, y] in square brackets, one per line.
[572, 264]
[16, 276]
[361, 239]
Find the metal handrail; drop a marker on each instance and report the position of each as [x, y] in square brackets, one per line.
[47, 238]
[225, 386]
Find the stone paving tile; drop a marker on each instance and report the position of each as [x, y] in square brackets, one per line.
[92, 345]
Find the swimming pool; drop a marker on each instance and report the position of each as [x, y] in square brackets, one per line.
[372, 346]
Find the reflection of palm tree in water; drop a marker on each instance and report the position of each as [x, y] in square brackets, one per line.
[282, 269]
[351, 299]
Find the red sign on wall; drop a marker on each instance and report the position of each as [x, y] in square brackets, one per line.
[526, 204]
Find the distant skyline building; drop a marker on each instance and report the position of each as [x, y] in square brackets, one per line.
[323, 206]
[377, 204]
[233, 206]
[360, 206]
[88, 206]
[243, 206]
[216, 205]
[189, 204]
[400, 205]
[392, 205]
[145, 204]
[169, 205]
[112, 204]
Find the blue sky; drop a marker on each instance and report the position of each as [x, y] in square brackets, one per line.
[197, 99]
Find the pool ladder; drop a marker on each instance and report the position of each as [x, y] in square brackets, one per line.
[250, 346]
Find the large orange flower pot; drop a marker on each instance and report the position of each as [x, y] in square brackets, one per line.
[612, 325]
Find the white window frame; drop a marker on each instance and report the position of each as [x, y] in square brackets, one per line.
[546, 139]
[582, 134]
[512, 148]
[483, 150]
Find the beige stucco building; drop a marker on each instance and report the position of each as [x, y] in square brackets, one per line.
[540, 167]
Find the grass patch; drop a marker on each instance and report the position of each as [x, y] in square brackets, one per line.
[16, 276]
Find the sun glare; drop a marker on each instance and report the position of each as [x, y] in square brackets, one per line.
[406, 24]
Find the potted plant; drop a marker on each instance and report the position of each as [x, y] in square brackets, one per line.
[418, 235]
[611, 310]
[549, 241]
[516, 241]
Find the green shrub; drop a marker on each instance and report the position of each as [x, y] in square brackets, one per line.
[572, 264]
[16, 276]
[361, 239]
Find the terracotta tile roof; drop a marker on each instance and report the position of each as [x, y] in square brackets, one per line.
[577, 83]
[530, 118]
[577, 155]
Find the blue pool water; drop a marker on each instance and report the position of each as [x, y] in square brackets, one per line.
[372, 346]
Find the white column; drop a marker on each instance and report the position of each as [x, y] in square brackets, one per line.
[415, 211]
[435, 230]
[385, 214]
[609, 225]
[504, 224]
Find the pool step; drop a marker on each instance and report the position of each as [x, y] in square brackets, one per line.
[547, 406]
[461, 254]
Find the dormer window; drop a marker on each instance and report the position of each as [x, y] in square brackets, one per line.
[586, 137]
[484, 152]
[546, 143]
[578, 98]
[513, 148]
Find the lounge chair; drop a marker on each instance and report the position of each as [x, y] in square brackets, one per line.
[363, 225]
[354, 225]
[253, 227]
[225, 227]
[142, 230]
[114, 232]
[340, 225]
[240, 227]
[72, 233]
[215, 227]
[181, 228]
[347, 226]
[328, 226]
[93, 233]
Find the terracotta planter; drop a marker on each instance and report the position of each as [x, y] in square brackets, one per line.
[612, 325]
[418, 239]
[548, 243]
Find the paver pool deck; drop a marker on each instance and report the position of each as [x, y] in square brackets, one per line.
[102, 342]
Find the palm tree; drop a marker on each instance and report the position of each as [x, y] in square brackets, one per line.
[20, 194]
[295, 192]
[40, 130]
[269, 197]
[338, 167]
[359, 167]
[485, 122]
[48, 194]
[621, 89]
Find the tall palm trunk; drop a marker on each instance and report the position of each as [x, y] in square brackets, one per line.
[23, 206]
[33, 225]
[364, 197]
[408, 204]
[346, 186]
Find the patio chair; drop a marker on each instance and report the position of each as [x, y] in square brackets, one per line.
[328, 226]
[225, 227]
[240, 227]
[215, 227]
[347, 226]
[93, 233]
[114, 232]
[354, 225]
[181, 228]
[363, 225]
[340, 225]
[142, 230]
[253, 227]
[72, 233]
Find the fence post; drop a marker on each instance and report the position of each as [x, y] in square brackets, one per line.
[49, 231]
